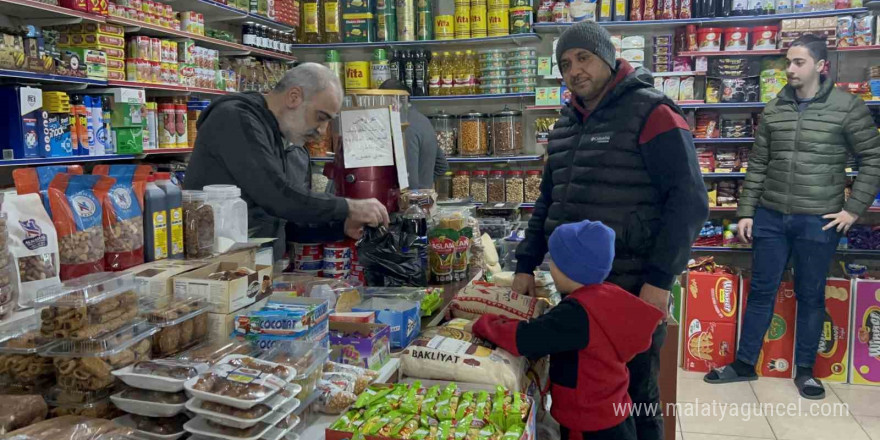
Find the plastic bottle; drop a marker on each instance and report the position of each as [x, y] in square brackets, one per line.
[78, 109]
[462, 75]
[106, 111]
[174, 206]
[230, 215]
[421, 87]
[473, 65]
[434, 82]
[447, 67]
[155, 222]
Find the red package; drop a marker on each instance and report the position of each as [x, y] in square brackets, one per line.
[649, 13]
[635, 11]
[77, 209]
[123, 219]
[37, 180]
[666, 9]
[684, 9]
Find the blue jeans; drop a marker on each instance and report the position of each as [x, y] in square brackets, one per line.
[776, 237]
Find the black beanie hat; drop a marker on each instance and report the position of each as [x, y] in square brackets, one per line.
[590, 36]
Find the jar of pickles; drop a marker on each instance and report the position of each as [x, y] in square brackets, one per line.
[514, 186]
[479, 186]
[444, 128]
[473, 134]
[507, 133]
[532, 186]
[496, 187]
[443, 186]
[461, 185]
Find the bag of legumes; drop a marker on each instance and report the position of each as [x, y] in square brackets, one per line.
[33, 245]
[124, 215]
[77, 208]
[37, 180]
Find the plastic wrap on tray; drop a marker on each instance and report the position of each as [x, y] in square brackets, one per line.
[242, 382]
[150, 403]
[155, 427]
[80, 403]
[182, 324]
[212, 352]
[267, 412]
[75, 428]
[20, 363]
[88, 307]
[166, 375]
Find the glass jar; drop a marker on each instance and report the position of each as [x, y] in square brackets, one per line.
[514, 186]
[479, 185]
[496, 187]
[507, 133]
[198, 221]
[443, 186]
[230, 215]
[461, 185]
[532, 186]
[473, 134]
[444, 128]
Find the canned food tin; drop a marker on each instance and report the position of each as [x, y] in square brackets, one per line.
[493, 71]
[357, 75]
[522, 80]
[492, 54]
[522, 71]
[492, 64]
[527, 52]
[337, 266]
[520, 20]
[499, 17]
[522, 89]
[493, 90]
[522, 62]
[493, 82]
[308, 265]
[337, 253]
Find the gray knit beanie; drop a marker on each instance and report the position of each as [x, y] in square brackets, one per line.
[590, 36]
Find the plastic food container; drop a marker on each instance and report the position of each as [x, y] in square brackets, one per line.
[198, 219]
[78, 403]
[493, 72]
[182, 324]
[226, 383]
[507, 133]
[709, 39]
[87, 365]
[201, 427]
[276, 405]
[212, 352]
[522, 80]
[150, 403]
[764, 37]
[736, 38]
[307, 376]
[88, 307]
[492, 54]
[230, 215]
[444, 127]
[166, 375]
[522, 62]
[20, 362]
[307, 413]
[525, 52]
[494, 81]
[473, 134]
[129, 421]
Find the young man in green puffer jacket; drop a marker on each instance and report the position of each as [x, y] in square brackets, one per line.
[793, 204]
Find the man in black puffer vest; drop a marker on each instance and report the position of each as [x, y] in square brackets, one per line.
[621, 154]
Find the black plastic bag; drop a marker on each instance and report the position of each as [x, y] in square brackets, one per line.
[391, 258]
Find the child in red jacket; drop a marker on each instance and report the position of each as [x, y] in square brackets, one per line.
[590, 335]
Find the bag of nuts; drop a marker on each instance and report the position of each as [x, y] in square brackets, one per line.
[77, 209]
[124, 215]
[33, 245]
[37, 180]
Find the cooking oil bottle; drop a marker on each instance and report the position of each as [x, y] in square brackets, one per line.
[435, 81]
[447, 69]
[473, 68]
[461, 71]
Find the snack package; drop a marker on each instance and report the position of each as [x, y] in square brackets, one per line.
[479, 298]
[77, 203]
[334, 399]
[123, 218]
[37, 180]
[364, 376]
[73, 427]
[33, 245]
[449, 243]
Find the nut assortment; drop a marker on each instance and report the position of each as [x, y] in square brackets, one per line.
[479, 190]
[507, 138]
[37, 267]
[461, 185]
[515, 187]
[532, 186]
[124, 235]
[93, 373]
[92, 321]
[198, 218]
[446, 142]
[473, 135]
[82, 247]
[496, 189]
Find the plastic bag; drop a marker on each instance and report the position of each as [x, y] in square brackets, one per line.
[77, 211]
[33, 244]
[73, 428]
[334, 399]
[391, 258]
[20, 411]
[37, 180]
[124, 215]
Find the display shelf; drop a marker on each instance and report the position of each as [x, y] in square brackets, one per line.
[48, 77]
[212, 11]
[748, 249]
[724, 140]
[672, 74]
[166, 87]
[524, 158]
[732, 53]
[543, 108]
[34, 11]
[857, 48]
[671, 24]
[723, 175]
[68, 159]
[694, 104]
[166, 151]
[266, 21]
[521, 205]
[472, 97]
[137, 27]
[517, 39]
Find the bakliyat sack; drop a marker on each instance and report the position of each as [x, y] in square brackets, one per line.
[33, 244]
[124, 215]
[77, 209]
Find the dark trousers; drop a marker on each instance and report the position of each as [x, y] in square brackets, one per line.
[778, 237]
[644, 388]
[626, 430]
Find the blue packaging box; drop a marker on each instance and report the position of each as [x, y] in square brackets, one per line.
[401, 315]
[20, 121]
[55, 139]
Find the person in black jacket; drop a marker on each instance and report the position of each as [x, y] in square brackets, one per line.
[622, 154]
[255, 142]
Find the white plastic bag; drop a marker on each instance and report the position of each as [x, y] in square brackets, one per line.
[33, 244]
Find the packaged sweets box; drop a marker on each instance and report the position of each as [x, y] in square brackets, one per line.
[777, 352]
[832, 360]
[364, 345]
[225, 296]
[711, 302]
[865, 332]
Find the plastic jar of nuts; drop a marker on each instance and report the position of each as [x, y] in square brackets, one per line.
[479, 186]
[198, 220]
[443, 186]
[514, 186]
[473, 134]
[444, 128]
[496, 187]
[507, 133]
[461, 185]
[532, 186]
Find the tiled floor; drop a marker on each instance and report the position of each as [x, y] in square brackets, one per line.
[772, 409]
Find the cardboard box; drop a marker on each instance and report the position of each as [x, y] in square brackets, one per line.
[128, 140]
[225, 296]
[708, 345]
[832, 359]
[286, 317]
[865, 331]
[349, 347]
[403, 316]
[221, 325]
[712, 297]
[21, 121]
[155, 280]
[777, 352]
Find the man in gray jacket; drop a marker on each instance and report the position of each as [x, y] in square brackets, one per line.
[256, 142]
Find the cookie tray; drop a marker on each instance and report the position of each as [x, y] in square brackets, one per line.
[129, 423]
[291, 372]
[105, 346]
[154, 382]
[279, 404]
[146, 408]
[168, 316]
[199, 427]
[291, 389]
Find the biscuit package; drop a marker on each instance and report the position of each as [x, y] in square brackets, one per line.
[33, 245]
[76, 203]
[123, 219]
[37, 180]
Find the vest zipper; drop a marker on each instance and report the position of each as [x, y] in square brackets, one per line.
[797, 136]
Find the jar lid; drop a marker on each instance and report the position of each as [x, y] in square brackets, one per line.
[448, 173]
[462, 173]
[225, 191]
[508, 112]
[481, 173]
[515, 172]
[192, 195]
[534, 172]
[473, 114]
[497, 172]
[441, 115]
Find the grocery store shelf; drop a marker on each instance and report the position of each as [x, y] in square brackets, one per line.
[136, 27]
[733, 209]
[47, 77]
[470, 97]
[539, 108]
[857, 48]
[692, 104]
[166, 151]
[517, 39]
[210, 10]
[166, 87]
[671, 24]
[521, 205]
[44, 14]
[266, 21]
[723, 175]
[671, 74]
[748, 249]
[68, 159]
[724, 140]
[739, 53]
[526, 158]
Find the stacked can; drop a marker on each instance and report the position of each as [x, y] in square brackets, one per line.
[337, 260]
[357, 271]
[499, 18]
[462, 27]
[521, 16]
[308, 258]
[522, 70]
[424, 20]
[406, 20]
[479, 12]
[493, 71]
[386, 20]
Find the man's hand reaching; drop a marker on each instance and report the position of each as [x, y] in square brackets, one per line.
[367, 212]
[524, 284]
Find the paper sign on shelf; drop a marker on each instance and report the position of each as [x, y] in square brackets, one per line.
[399, 151]
[366, 138]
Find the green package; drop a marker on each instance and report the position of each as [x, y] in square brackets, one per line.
[370, 396]
[464, 405]
[514, 433]
[514, 412]
[409, 404]
[463, 426]
[420, 434]
[406, 428]
[346, 421]
[496, 416]
[430, 400]
[394, 398]
[394, 418]
[128, 140]
[482, 406]
[444, 430]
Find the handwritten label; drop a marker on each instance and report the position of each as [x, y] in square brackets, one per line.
[366, 138]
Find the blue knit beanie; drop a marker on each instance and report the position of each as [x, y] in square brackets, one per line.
[583, 251]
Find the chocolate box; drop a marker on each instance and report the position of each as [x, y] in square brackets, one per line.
[364, 345]
[708, 345]
[832, 360]
[225, 296]
[777, 353]
[865, 331]
[403, 316]
[155, 280]
[712, 297]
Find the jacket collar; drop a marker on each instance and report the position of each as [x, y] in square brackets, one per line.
[787, 94]
[627, 78]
